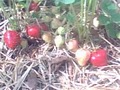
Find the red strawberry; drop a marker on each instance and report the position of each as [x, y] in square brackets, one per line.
[34, 6]
[12, 39]
[99, 58]
[33, 30]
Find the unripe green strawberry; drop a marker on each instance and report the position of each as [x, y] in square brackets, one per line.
[61, 30]
[59, 41]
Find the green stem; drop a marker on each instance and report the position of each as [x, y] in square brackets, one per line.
[85, 16]
[27, 7]
[89, 5]
[94, 4]
[16, 16]
[91, 11]
[81, 13]
[76, 24]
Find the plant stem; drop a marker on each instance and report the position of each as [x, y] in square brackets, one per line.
[85, 15]
[27, 6]
[93, 4]
[81, 13]
[76, 24]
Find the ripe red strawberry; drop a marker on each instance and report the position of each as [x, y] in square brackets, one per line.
[33, 30]
[12, 39]
[34, 6]
[99, 58]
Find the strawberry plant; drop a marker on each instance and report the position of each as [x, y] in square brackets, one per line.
[57, 41]
[84, 10]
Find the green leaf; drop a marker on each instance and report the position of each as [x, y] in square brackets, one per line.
[64, 1]
[57, 2]
[111, 30]
[21, 0]
[35, 14]
[70, 17]
[115, 17]
[109, 7]
[22, 4]
[104, 20]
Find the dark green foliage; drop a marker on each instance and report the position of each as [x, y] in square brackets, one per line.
[110, 17]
